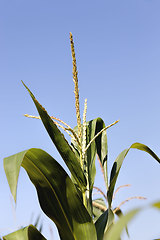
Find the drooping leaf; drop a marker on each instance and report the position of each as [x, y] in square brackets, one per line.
[27, 233]
[118, 163]
[104, 222]
[115, 231]
[57, 194]
[61, 144]
[12, 166]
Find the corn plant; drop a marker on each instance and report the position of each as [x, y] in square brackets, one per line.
[67, 200]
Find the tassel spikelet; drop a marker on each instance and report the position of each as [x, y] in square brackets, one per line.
[84, 131]
[68, 129]
[76, 90]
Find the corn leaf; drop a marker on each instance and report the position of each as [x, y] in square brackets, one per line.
[61, 144]
[102, 147]
[27, 233]
[115, 231]
[90, 158]
[118, 163]
[119, 213]
[104, 222]
[57, 194]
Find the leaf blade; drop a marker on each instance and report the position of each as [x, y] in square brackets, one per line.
[102, 147]
[57, 194]
[116, 230]
[118, 163]
[27, 233]
[61, 144]
[119, 213]
[104, 222]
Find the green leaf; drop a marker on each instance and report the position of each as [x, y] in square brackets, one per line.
[12, 166]
[104, 222]
[118, 163]
[61, 144]
[90, 158]
[115, 231]
[119, 213]
[102, 147]
[27, 233]
[101, 224]
[57, 194]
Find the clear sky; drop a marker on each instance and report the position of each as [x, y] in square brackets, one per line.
[117, 47]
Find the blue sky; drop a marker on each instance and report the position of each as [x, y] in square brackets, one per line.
[118, 54]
